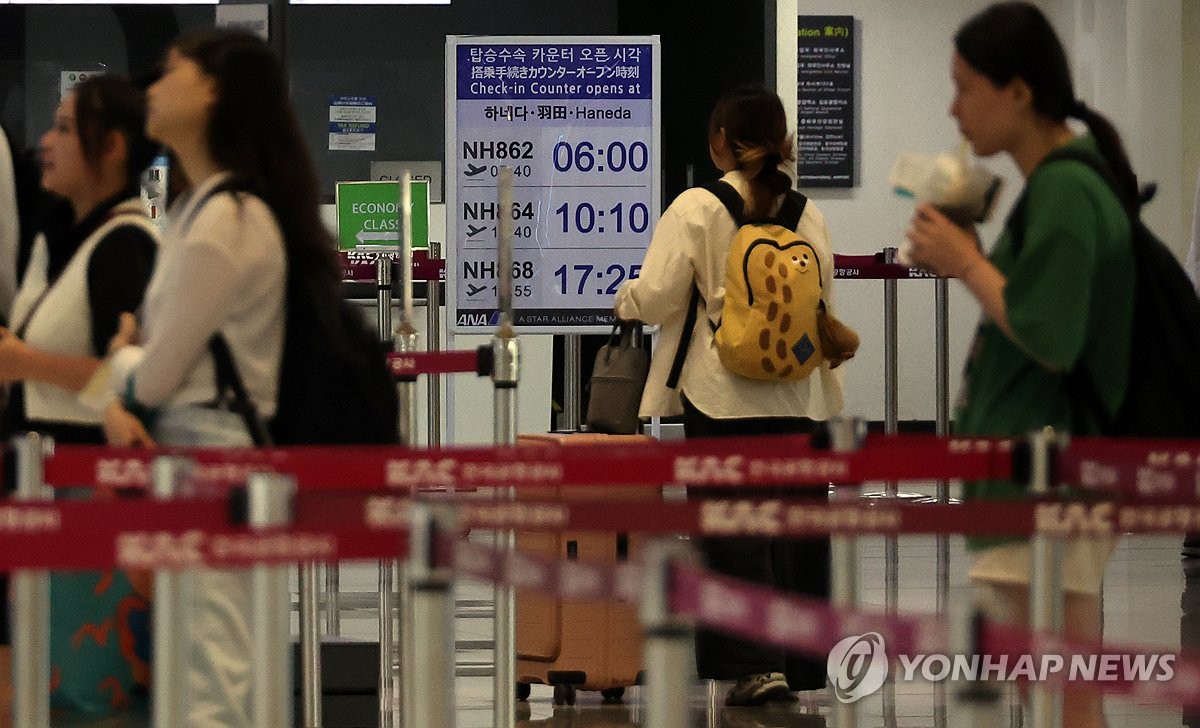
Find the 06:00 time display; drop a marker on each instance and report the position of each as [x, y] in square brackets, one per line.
[587, 218]
[587, 157]
[580, 274]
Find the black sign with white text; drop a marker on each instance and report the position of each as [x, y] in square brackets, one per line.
[825, 81]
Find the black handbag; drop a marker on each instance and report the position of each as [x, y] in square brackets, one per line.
[618, 378]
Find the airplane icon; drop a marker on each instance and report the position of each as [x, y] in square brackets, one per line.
[474, 169]
[472, 230]
[473, 289]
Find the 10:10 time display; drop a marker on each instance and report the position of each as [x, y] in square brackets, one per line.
[588, 219]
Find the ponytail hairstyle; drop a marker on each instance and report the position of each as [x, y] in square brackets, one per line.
[253, 132]
[1014, 40]
[756, 131]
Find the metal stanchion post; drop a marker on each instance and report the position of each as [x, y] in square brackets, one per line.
[572, 357]
[891, 426]
[433, 330]
[977, 703]
[171, 622]
[333, 589]
[387, 701]
[310, 646]
[712, 704]
[31, 599]
[270, 500]
[383, 298]
[407, 341]
[1045, 584]
[668, 646]
[891, 421]
[846, 434]
[942, 429]
[891, 351]
[504, 381]
[432, 597]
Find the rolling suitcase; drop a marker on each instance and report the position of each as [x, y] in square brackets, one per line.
[578, 645]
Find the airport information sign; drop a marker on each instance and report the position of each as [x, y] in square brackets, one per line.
[577, 119]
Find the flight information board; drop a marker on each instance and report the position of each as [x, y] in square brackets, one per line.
[577, 120]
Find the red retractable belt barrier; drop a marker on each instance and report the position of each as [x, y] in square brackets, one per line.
[719, 517]
[1138, 467]
[361, 268]
[145, 534]
[744, 461]
[1175, 683]
[437, 362]
[872, 267]
[814, 627]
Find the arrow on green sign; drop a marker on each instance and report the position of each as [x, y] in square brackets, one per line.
[368, 213]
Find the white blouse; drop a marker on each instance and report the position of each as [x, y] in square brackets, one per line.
[691, 243]
[220, 268]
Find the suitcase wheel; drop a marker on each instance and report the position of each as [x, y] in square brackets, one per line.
[564, 694]
[613, 695]
[523, 689]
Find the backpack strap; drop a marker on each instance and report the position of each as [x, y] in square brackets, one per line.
[1015, 223]
[788, 216]
[730, 198]
[792, 209]
[685, 339]
[228, 185]
[229, 380]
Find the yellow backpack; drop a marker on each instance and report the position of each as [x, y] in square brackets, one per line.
[768, 327]
[774, 325]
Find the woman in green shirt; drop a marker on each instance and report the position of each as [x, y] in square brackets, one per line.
[1062, 302]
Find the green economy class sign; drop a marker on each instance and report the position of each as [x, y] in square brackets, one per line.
[368, 213]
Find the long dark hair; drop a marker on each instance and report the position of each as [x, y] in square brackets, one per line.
[108, 103]
[756, 130]
[1014, 40]
[253, 132]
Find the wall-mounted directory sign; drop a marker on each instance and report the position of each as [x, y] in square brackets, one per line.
[577, 119]
[825, 90]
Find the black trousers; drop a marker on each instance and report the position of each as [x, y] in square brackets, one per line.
[800, 566]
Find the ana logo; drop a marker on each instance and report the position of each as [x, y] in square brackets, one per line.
[479, 319]
[857, 666]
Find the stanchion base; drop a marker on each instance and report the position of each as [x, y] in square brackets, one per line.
[349, 683]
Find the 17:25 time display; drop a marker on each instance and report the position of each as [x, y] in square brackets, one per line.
[614, 274]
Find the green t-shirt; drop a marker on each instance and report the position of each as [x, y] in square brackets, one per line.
[1069, 300]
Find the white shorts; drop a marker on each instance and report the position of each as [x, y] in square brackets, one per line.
[1083, 564]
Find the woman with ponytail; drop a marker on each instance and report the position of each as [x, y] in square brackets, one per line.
[684, 270]
[1056, 289]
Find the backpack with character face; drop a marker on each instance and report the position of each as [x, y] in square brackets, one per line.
[774, 325]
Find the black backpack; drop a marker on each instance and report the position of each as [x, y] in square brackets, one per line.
[1162, 394]
[335, 387]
